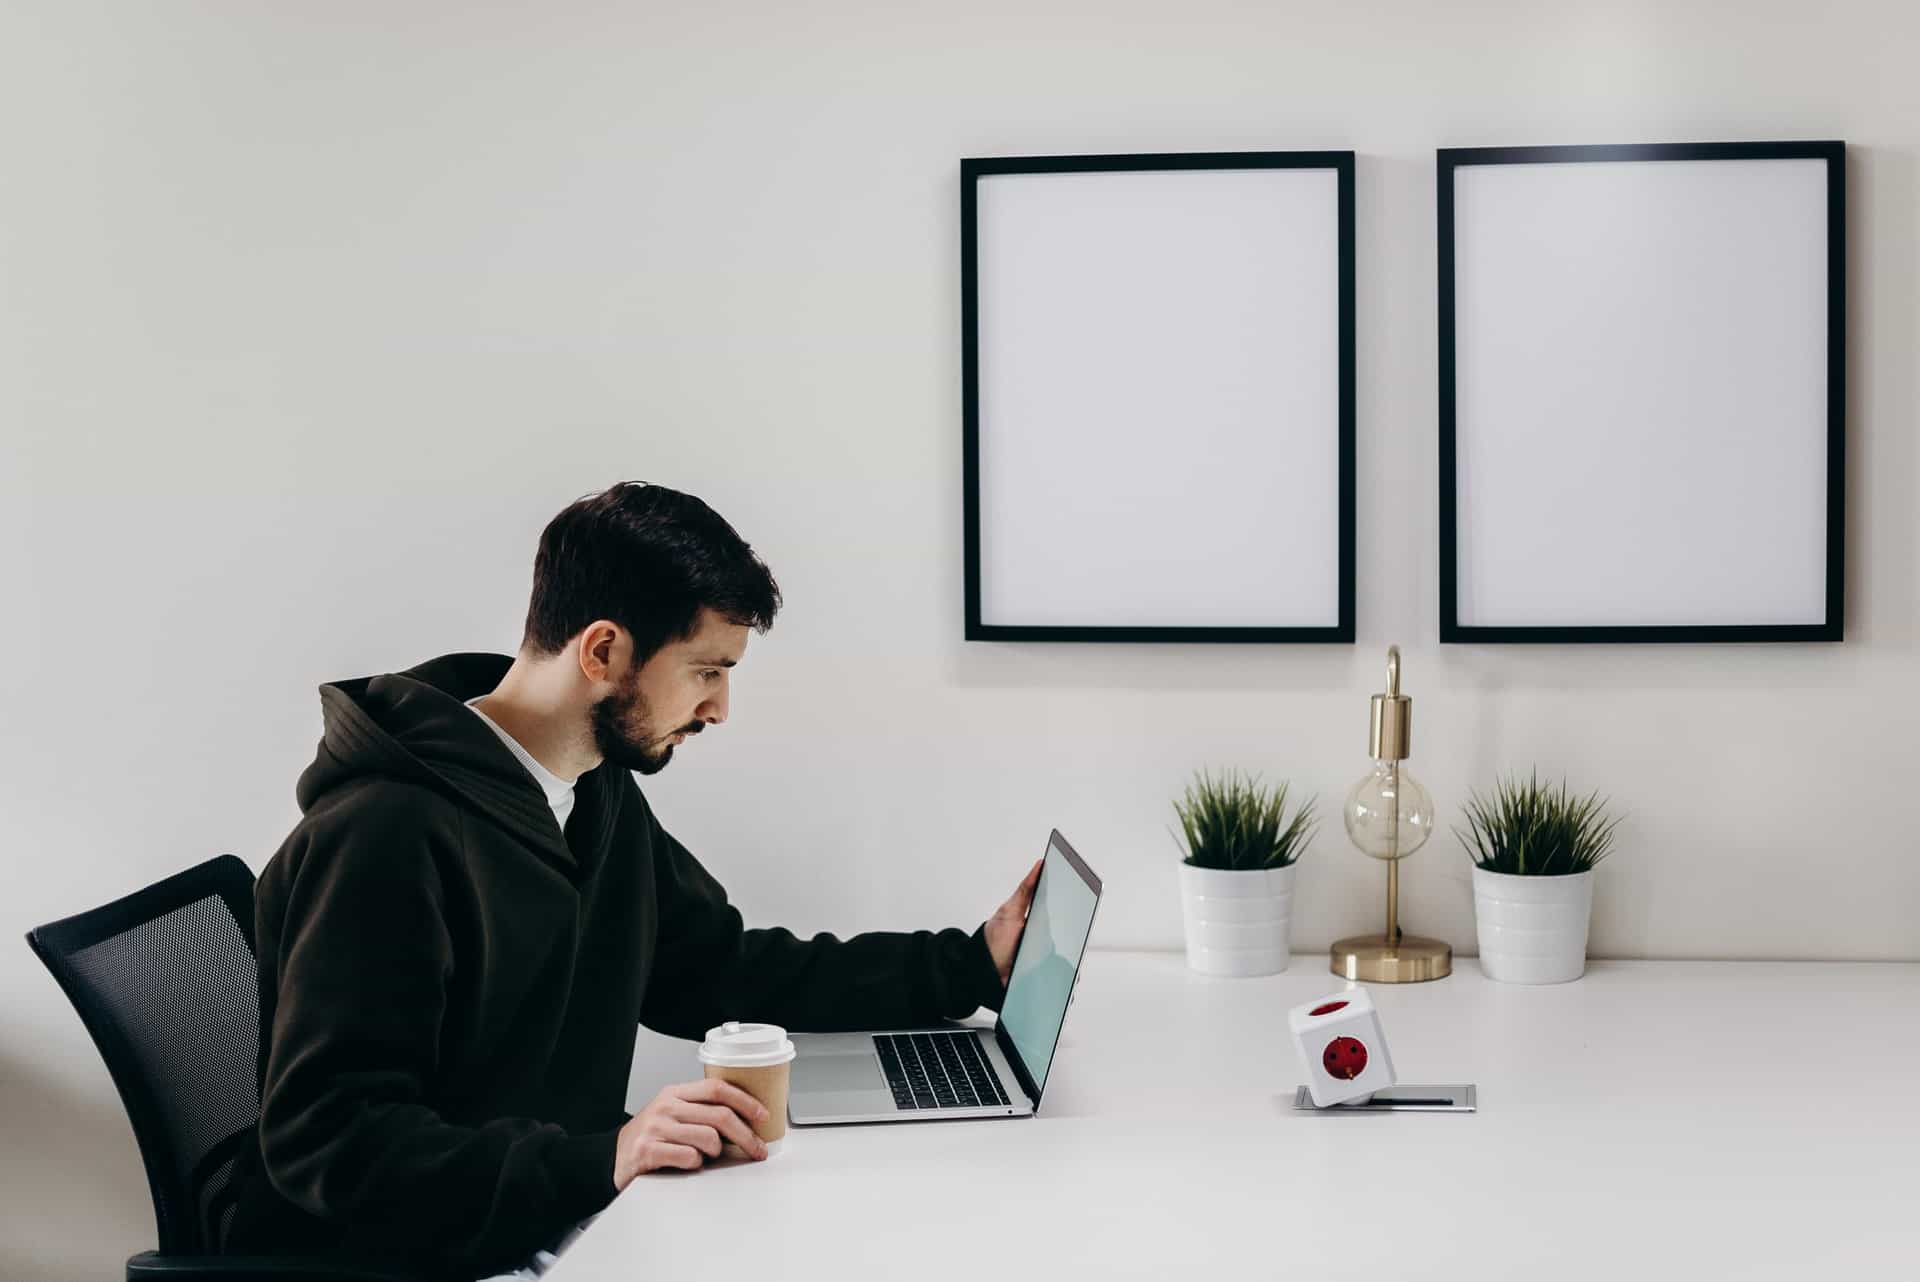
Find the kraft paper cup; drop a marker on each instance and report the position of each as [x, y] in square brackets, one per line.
[758, 1058]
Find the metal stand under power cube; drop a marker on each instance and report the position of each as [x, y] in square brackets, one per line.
[1400, 1099]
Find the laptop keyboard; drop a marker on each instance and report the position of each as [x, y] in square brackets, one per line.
[938, 1070]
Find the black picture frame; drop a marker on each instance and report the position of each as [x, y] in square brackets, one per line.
[1450, 162]
[972, 171]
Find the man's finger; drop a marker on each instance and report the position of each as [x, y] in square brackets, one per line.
[1030, 881]
[704, 1138]
[723, 1120]
[711, 1090]
[684, 1156]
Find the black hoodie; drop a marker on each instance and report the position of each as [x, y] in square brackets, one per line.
[449, 985]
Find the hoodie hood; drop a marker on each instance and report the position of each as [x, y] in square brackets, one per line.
[415, 726]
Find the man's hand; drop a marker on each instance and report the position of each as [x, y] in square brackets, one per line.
[1004, 927]
[683, 1127]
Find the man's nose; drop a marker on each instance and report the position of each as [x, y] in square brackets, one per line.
[714, 710]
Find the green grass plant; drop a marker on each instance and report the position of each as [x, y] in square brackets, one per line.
[1232, 822]
[1531, 829]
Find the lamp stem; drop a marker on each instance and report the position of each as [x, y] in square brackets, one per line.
[1393, 857]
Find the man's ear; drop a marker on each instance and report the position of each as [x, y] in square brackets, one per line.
[605, 647]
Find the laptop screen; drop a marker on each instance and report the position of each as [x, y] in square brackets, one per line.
[1049, 957]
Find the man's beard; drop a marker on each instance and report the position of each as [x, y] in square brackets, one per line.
[623, 730]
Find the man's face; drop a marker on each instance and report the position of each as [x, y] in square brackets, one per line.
[672, 696]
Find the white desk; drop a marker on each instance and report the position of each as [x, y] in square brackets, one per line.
[1653, 1121]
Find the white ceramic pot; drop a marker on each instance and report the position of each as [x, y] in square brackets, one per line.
[1533, 930]
[1237, 921]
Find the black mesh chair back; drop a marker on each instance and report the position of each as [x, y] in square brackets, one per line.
[165, 981]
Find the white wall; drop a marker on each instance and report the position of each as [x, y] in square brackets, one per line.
[312, 314]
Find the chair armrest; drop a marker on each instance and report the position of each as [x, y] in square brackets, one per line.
[151, 1266]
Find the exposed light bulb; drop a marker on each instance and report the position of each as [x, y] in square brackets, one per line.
[1389, 815]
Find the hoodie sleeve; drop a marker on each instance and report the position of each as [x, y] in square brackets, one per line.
[364, 958]
[708, 968]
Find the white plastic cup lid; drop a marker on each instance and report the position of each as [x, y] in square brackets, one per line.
[737, 1045]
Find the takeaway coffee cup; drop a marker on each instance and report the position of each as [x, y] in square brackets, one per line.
[758, 1059]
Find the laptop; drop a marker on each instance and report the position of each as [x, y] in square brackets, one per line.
[951, 1073]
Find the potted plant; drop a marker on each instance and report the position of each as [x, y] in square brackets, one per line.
[1236, 880]
[1534, 848]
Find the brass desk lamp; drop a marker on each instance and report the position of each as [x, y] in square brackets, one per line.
[1389, 816]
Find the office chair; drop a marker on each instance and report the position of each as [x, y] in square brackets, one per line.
[165, 981]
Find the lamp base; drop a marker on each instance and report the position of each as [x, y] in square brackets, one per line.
[1410, 959]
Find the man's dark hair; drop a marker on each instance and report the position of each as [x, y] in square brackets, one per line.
[648, 558]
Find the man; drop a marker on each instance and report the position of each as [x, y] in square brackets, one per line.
[478, 905]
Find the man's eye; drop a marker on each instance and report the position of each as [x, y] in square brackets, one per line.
[710, 674]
